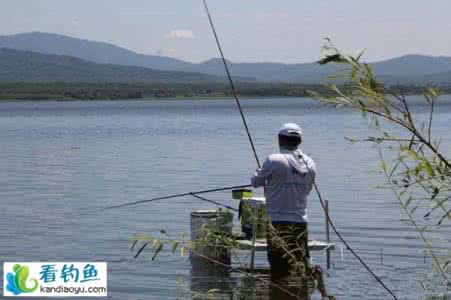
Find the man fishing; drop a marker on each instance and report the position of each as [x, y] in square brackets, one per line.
[288, 176]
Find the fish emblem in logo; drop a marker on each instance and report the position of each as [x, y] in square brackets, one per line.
[18, 280]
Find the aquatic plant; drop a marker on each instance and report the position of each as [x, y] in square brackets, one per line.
[221, 244]
[418, 171]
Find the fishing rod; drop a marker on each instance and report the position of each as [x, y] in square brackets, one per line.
[232, 86]
[243, 118]
[194, 194]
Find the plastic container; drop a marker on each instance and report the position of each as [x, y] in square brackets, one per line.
[204, 222]
[241, 193]
[251, 210]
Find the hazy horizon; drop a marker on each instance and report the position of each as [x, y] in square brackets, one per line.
[250, 31]
[214, 57]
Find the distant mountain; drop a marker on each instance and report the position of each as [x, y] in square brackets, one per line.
[27, 66]
[310, 73]
[409, 69]
[99, 52]
[409, 65]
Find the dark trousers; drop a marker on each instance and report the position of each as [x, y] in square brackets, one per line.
[287, 247]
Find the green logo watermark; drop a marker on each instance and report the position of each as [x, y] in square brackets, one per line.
[17, 281]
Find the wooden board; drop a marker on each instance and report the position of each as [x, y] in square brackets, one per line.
[260, 245]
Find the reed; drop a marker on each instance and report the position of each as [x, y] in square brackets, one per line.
[418, 171]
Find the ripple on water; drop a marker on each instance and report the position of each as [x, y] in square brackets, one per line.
[63, 159]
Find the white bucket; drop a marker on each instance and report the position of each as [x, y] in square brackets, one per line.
[209, 220]
[250, 209]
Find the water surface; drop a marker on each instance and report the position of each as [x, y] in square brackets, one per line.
[59, 160]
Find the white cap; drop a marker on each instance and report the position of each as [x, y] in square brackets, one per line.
[290, 129]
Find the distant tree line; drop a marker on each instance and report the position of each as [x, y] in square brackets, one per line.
[112, 91]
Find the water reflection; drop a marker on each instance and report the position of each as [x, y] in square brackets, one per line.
[208, 278]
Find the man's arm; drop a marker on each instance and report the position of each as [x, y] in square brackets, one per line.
[262, 174]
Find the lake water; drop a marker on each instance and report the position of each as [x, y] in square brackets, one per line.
[59, 160]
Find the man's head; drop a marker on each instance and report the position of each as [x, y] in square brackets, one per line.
[290, 135]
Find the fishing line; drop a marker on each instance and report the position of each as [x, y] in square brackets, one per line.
[312, 176]
[173, 196]
[232, 85]
[214, 202]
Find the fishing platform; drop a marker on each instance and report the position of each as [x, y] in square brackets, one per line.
[250, 236]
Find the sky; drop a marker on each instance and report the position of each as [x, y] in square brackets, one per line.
[287, 31]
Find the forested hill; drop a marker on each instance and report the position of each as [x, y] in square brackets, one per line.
[406, 70]
[99, 52]
[26, 66]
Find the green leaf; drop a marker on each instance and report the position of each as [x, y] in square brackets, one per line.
[429, 169]
[351, 140]
[406, 204]
[413, 209]
[359, 56]
[174, 247]
[368, 70]
[413, 154]
[133, 245]
[140, 250]
[376, 122]
[354, 73]
[159, 248]
[394, 170]
[446, 264]
[384, 166]
[336, 58]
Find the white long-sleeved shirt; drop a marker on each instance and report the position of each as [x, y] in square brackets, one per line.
[288, 183]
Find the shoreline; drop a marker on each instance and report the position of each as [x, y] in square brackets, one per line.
[200, 98]
[66, 92]
[151, 99]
